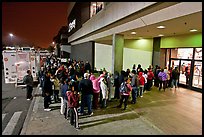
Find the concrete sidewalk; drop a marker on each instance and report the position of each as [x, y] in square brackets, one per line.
[40, 122]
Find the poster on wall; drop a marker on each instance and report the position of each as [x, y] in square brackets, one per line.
[22, 65]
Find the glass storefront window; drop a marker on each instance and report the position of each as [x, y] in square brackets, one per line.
[185, 53]
[95, 8]
[197, 74]
[198, 54]
[185, 72]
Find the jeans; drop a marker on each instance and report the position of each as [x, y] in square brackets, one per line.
[175, 83]
[86, 99]
[134, 94]
[141, 90]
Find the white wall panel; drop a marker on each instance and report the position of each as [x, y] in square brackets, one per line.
[103, 56]
[134, 56]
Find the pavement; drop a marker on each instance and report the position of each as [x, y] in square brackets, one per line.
[40, 122]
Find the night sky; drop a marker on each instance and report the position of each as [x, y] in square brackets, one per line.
[33, 22]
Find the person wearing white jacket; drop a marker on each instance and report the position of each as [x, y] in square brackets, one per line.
[104, 90]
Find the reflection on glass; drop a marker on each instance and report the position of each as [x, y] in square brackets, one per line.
[198, 53]
[185, 72]
[174, 63]
[185, 53]
[197, 74]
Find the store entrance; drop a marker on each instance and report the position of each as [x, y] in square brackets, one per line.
[184, 67]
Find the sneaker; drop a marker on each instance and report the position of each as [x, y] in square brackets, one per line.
[80, 114]
[28, 99]
[91, 114]
[47, 109]
[141, 96]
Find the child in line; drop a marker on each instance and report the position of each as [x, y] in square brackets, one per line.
[73, 104]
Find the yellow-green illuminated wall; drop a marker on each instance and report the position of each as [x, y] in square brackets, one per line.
[191, 40]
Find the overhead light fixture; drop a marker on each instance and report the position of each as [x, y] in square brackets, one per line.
[133, 33]
[161, 27]
[160, 35]
[193, 30]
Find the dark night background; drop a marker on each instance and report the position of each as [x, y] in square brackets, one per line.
[33, 22]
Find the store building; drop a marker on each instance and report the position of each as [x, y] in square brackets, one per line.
[116, 35]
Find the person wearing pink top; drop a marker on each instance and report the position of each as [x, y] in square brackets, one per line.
[96, 89]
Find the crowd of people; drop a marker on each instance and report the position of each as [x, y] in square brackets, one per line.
[77, 86]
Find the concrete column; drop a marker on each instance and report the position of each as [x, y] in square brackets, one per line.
[117, 52]
[156, 51]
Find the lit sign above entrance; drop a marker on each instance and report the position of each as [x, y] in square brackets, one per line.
[72, 25]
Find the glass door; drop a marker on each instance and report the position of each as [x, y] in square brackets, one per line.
[185, 71]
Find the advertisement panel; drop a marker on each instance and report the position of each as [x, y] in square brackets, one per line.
[33, 63]
[22, 65]
[9, 59]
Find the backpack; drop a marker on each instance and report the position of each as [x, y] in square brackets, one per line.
[123, 88]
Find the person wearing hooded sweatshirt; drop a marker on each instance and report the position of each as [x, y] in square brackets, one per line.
[141, 83]
[104, 91]
[163, 78]
[96, 89]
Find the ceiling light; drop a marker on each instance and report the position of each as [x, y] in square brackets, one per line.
[161, 27]
[193, 30]
[133, 33]
[160, 35]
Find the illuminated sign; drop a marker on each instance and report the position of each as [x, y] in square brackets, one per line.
[72, 25]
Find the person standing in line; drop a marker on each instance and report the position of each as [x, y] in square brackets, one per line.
[141, 83]
[96, 89]
[64, 89]
[134, 84]
[116, 85]
[145, 85]
[28, 80]
[125, 93]
[47, 91]
[86, 88]
[104, 91]
[109, 85]
[150, 77]
[56, 83]
[162, 78]
[175, 77]
[73, 103]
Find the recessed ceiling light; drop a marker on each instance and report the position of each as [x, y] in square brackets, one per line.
[160, 35]
[161, 27]
[193, 30]
[133, 33]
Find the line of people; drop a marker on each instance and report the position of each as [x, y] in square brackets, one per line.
[76, 87]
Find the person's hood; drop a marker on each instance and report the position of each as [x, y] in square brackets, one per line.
[92, 77]
[140, 73]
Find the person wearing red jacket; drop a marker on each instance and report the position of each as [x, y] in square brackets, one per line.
[125, 95]
[73, 103]
[141, 83]
[150, 77]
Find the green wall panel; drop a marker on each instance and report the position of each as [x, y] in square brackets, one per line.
[191, 40]
[141, 44]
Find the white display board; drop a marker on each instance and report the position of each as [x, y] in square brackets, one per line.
[22, 65]
[9, 59]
